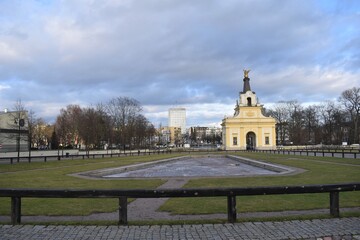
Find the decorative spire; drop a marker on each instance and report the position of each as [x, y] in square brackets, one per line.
[246, 81]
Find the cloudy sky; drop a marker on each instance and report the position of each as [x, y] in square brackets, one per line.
[175, 53]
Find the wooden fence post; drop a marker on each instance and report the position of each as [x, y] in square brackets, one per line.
[15, 210]
[334, 204]
[123, 211]
[231, 207]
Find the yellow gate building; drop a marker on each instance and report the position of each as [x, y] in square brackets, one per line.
[248, 128]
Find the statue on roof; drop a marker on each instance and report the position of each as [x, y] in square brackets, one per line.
[246, 73]
[236, 109]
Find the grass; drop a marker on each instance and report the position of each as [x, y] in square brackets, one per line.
[55, 175]
[319, 170]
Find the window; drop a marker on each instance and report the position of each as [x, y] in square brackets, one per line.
[234, 140]
[267, 140]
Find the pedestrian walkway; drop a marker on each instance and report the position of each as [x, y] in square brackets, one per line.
[324, 229]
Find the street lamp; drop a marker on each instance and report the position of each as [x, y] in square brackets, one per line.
[21, 123]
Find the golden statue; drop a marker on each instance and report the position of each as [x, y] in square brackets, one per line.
[246, 73]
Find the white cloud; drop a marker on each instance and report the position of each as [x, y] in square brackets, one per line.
[2, 87]
[176, 52]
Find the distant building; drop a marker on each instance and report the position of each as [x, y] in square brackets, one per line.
[14, 133]
[169, 135]
[248, 128]
[177, 118]
[199, 135]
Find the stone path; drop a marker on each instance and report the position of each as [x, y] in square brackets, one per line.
[325, 229]
[146, 208]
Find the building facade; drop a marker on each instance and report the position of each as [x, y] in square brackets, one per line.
[14, 133]
[248, 128]
[177, 118]
[208, 135]
[169, 135]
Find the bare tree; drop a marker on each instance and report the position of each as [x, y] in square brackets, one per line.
[327, 110]
[281, 114]
[87, 130]
[140, 133]
[60, 131]
[351, 101]
[67, 125]
[150, 135]
[31, 127]
[107, 126]
[341, 126]
[123, 112]
[38, 132]
[296, 122]
[311, 123]
[93, 127]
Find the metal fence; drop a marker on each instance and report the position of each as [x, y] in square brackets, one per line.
[344, 153]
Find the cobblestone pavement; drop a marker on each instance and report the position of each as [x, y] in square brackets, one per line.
[325, 229]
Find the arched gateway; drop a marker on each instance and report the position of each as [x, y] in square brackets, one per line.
[248, 128]
[250, 141]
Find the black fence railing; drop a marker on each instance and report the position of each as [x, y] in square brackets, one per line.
[231, 193]
[315, 152]
[344, 153]
[83, 155]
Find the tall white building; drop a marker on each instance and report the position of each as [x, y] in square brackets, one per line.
[177, 118]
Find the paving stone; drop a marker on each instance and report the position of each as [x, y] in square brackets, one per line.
[324, 229]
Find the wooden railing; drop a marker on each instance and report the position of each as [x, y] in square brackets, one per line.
[123, 195]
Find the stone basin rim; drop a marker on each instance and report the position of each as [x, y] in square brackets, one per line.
[281, 170]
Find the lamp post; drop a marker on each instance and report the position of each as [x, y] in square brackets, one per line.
[21, 123]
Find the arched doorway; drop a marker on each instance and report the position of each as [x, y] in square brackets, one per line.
[250, 141]
[249, 101]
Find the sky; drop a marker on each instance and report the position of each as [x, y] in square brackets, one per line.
[178, 53]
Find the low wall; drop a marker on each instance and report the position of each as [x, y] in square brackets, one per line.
[267, 166]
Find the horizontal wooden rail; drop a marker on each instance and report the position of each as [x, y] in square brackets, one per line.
[123, 195]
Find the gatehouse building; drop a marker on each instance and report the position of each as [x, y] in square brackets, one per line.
[248, 128]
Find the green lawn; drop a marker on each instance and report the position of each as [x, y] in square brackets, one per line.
[319, 170]
[55, 174]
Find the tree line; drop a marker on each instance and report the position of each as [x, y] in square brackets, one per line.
[330, 123]
[119, 123]
[116, 124]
